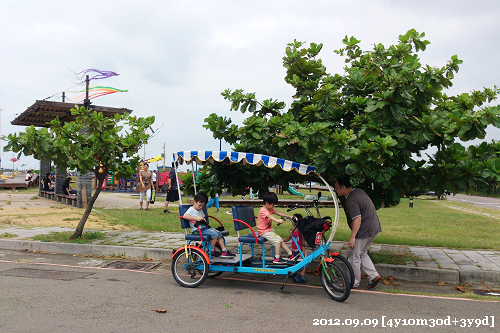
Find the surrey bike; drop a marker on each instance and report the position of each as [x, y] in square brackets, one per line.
[193, 263]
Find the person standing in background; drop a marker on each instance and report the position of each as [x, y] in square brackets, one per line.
[146, 185]
[172, 193]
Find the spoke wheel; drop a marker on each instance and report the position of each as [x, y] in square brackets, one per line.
[346, 266]
[190, 271]
[334, 281]
[212, 274]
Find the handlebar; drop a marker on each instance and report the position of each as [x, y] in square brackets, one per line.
[286, 218]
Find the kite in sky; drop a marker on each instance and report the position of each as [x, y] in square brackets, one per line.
[97, 76]
[94, 91]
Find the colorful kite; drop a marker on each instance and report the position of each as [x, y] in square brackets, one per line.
[100, 74]
[155, 159]
[94, 91]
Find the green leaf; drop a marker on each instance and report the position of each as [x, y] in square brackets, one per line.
[351, 169]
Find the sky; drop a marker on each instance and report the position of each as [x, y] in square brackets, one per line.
[176, 57]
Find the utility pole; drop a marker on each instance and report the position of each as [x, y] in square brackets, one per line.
[163, 155]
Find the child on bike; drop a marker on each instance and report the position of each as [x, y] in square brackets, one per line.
[195, 213]
[295, 233]
[264, 223]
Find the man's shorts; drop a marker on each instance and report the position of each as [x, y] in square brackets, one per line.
[272, 238]
[172, 195]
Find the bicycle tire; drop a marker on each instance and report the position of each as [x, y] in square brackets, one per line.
[189, 271]
[214, 274]
[334, 281]
[345, 264]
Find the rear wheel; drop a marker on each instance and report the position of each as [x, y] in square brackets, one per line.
[334, 281]
[189, 271]
[212, 274]
[346, 266]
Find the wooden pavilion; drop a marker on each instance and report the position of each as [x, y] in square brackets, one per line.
[39, 115]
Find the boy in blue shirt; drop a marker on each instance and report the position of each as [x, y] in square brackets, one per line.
[195, 213]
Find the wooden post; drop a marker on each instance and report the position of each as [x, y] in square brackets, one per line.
[86, 101]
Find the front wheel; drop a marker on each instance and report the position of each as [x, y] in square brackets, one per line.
[334, 281]
[189, 270]
[346, 266]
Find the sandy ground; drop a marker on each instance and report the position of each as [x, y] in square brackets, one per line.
[17, 208]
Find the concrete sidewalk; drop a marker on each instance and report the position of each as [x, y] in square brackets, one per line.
[436, 264]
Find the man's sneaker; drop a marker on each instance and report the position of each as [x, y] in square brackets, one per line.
[166, 211]
[215, 253]
[279, 261]
[294, 256]
[227, 254]
[374, 282]
[300, 279]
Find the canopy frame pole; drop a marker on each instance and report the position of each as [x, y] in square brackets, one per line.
[334, 197]
[194, 177]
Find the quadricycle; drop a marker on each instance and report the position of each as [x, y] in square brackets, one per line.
[193, 263]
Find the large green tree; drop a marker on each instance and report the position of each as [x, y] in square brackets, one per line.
[371, 122]
[90, 143]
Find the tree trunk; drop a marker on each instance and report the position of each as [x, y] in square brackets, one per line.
[79, 229]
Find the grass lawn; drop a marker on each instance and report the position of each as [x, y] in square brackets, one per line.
[430, 223]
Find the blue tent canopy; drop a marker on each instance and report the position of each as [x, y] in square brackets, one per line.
[231, 157]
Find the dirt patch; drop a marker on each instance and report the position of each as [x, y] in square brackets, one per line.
[33, 211]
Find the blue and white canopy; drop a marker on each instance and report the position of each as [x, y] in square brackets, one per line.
[231, 157]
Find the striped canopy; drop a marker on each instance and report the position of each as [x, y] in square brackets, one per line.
[231, 157]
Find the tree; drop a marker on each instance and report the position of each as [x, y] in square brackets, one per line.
[90, 143]
[371, 122]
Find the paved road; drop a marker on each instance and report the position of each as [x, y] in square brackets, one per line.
[476, 200]
[93, 299]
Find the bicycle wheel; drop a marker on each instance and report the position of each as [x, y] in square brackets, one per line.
[213, 275]
[189, 271]
[334, 281]
[346, 266]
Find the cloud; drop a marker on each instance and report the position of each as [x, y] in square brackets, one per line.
[176, 57]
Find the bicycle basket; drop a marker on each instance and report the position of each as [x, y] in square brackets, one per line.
[310, 226]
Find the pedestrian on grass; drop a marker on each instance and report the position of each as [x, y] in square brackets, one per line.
[365, 225]
[146, 184]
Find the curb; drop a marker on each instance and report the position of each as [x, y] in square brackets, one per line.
[479, 277]
[416, 274]
[87, 249]
[419, 274]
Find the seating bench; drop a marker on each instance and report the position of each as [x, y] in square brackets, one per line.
[67, 199]
[47, 194]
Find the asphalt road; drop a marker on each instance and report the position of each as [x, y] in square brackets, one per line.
[34, 298]
[487, 202]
